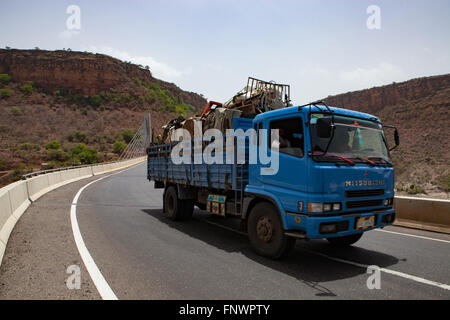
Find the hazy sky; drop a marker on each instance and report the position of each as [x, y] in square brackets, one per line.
[320, 47]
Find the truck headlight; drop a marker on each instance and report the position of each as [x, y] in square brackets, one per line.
[315, 207]
[336, 206]
[324, 207]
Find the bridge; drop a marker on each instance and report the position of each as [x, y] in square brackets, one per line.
[98, 232]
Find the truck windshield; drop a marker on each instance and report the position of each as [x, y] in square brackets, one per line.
[353, 139]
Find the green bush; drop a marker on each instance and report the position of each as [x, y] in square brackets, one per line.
[78, 136]
[414, 189]
[53, 145]
[78, 148]
[84, 154]
[4, 78]
[18, 172]
[26, 89]
[3, 165]
[27, 146]
[57, 155]
[16, 111]
[5, 93]
[127, 135]
[119, 146]
[95, 100]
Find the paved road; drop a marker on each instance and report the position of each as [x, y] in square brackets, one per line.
[144, 255]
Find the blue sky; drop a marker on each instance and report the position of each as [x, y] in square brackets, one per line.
[320, 47]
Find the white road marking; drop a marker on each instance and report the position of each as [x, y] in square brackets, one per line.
[413, 235]
[393, 272]
[100, 283]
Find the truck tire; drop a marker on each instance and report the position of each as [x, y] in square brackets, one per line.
[266, 234]
[345, 241]
[173, 205]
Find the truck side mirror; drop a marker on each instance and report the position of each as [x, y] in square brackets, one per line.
[396, 138]
[323, 127]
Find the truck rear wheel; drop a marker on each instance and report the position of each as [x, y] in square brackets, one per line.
[266, 234]
[175, 208]
[345, 241]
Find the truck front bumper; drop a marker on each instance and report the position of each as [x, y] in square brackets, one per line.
[319, 227]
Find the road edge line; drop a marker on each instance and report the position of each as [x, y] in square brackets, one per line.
[100, 282]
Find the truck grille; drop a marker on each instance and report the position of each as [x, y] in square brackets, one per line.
[364, 203]
[364, 193]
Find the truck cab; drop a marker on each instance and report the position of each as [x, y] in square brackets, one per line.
[335, 179]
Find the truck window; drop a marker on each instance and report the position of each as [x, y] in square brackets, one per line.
[291, 136]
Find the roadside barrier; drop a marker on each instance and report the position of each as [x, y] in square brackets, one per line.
[16, 197]
[423, 213]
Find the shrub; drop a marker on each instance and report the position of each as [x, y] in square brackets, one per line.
[18, 172]
[444, 182]
[53, 145]
[84, 154]
[119, 146]
[4, 78]
[414, 189]
[16, 111]
[27, 146]
[95, 100]
[78, 148]
[78, 136]
[127, 136]
[3, 165]
[5, 93]
[57, 155]
[26, 89]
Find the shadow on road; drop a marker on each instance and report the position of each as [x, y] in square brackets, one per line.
[303, 264]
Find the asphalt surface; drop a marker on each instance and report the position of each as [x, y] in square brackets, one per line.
[144, 255]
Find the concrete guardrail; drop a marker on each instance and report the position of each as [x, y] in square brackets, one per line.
[423, 213]
[16, 197]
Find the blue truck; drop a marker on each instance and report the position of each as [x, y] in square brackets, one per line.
[334, 179]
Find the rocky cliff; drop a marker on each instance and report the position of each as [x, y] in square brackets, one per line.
[81, 72]
[375, 99]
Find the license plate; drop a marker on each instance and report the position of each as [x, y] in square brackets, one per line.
[364, 223]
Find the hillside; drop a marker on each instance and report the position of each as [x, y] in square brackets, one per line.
[420, 109]
[74, 98]
[97, 101]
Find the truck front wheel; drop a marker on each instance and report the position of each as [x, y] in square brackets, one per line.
[345, 241]
[266, 234]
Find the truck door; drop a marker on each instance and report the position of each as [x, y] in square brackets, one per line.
[289, 184]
